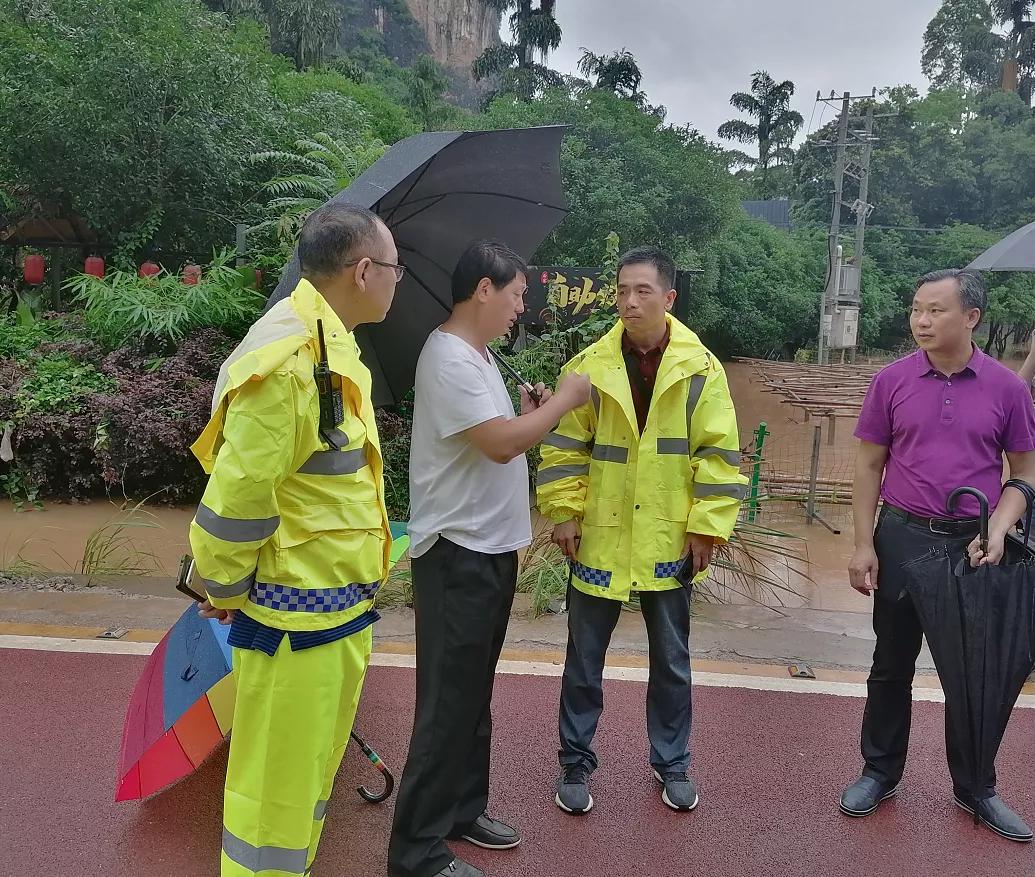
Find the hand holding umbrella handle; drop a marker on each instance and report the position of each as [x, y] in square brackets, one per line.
[982, 504]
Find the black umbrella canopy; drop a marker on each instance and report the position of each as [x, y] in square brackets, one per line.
[1015, 252]
[438, 193]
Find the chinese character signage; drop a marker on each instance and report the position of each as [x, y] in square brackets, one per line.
[567, 295]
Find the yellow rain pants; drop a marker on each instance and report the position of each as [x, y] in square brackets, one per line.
[292, 720]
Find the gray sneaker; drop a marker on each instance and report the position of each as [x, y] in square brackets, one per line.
[573, 789]
[679, 791]
[459, 868]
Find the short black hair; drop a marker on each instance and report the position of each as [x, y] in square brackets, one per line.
[970, 284]
[334, 234]
[661, 260]
[483, 259]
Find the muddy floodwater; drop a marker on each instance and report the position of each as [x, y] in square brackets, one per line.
[151, 543]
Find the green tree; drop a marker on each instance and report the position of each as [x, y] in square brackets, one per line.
[316, 171]
[773, 130]
[520, 65]
[133, 114]
[628, 172]
[308, 26]
[617, 72]
[425, 86]
[984, 44]
[957, 46]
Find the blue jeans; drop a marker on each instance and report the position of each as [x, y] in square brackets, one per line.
[591, 621]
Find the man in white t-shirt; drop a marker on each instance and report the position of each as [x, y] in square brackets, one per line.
[469, 516]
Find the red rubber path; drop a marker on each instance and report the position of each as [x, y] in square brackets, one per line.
[769, 765]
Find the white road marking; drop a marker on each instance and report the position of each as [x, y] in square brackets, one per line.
[516, 668]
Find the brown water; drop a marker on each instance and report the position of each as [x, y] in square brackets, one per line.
[152, 542]
[56, 539]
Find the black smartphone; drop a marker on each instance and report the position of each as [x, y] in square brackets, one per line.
[183, 579]
[685, 574]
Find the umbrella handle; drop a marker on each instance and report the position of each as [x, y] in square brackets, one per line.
[1028, 492]
[982, 504]
[375, 760]
[509, 369]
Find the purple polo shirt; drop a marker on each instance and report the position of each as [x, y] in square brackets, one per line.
[943, 433]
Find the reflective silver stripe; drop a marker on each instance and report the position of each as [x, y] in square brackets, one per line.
[610, 453]
[235, 529]
[556, 440]
[264, 858]
[731, 457]
[734, 491]
[221, 592]
[320, 811]
[556, 473]
[334, 462]
[595, 397]
[673, 446]
[693, 397]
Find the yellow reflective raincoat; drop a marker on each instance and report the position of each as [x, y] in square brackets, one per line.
[291, 530]
[638, 496]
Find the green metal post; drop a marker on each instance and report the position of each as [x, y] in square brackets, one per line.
[756, 471]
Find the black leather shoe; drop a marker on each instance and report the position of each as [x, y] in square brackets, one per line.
[994, 813]
[459, 868]
[491, 834]
[864, 796]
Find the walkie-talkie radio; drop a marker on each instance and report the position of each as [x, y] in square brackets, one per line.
[332, 405]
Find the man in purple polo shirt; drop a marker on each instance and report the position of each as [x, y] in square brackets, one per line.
[938, 419]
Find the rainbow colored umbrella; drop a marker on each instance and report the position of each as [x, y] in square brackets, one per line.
[181, 708]
[183, 704]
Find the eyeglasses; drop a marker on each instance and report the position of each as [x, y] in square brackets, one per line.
[399, 270]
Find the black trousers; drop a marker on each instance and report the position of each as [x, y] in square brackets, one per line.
[591, 621]
[462, 601]
[889, 700]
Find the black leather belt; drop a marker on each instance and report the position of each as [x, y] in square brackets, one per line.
[939, 526]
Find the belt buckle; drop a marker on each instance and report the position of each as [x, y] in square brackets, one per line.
[930, 526]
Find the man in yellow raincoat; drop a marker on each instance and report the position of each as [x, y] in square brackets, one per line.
[640, 480]
[292, 541]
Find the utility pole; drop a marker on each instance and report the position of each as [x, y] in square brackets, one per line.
[839, 308]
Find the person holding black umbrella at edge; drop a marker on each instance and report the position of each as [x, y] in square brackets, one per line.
[937, 419]
[469, 516]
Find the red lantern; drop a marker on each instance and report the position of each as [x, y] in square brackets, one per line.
[94, 266]
[149, 269]
[191, 274]
[33, 268]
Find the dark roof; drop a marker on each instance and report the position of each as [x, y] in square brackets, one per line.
[44, 231]
[775, 211]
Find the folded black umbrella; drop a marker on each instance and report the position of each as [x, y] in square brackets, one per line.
[438, 193]
[980, 626]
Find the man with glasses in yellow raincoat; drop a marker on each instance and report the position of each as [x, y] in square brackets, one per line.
[292, 541]
[641, 484]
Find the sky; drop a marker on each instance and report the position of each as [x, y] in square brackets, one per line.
[696, 53]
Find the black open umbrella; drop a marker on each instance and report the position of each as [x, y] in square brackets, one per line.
[438, 193]
[980, 626]
[1015, 252]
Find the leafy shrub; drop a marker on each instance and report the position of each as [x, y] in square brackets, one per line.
[58, 383]
[160, 406]
[18, 340]
[393, 428]
[122, 307]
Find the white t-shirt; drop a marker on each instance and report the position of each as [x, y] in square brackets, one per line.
[455, 490]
